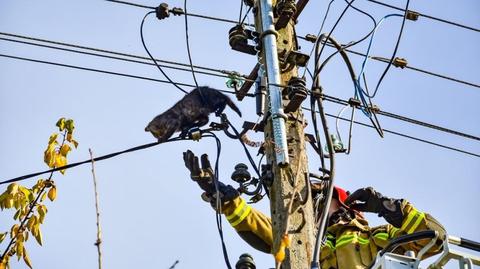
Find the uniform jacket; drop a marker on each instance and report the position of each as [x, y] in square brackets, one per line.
[351, 245]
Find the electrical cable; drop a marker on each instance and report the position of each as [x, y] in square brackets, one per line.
[218, 206]
[327, 97]
[358, 88]
[189, 14]
[239, 15]
[382, 59]
[246, 14]
[114, 57]
[188, 44]
[428, 16]
[153, 59]
[394, 51]
[318, 33]
[405, 136]
[317, 57]
[97, 159]
[108, 72]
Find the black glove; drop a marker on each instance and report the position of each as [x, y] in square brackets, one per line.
[369, 200]
[206, 178]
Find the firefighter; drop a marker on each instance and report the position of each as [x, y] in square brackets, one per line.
[350, 242]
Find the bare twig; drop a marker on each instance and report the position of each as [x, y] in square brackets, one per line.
[99, 230]
[174, 264]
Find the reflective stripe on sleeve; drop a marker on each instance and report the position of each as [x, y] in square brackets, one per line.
[413, 220]
[240, 213]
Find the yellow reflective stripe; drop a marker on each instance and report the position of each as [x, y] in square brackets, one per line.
[330, 244]
[243, 216]
[420, 217]
[383, 236]
[349, 238]
[393, 231]
[409, 219]
[237, 210]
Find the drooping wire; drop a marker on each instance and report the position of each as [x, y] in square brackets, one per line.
[360, 93]
[152, 58]
[394, 51]
[97, 159]
[218, 204]
[319, 32]
[188, 43]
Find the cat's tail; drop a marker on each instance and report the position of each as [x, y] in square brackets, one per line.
[233, 106]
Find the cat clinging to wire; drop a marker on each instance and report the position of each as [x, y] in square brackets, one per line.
[191, 111]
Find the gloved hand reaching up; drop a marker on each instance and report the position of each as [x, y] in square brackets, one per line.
[205, 178]
[369, 200]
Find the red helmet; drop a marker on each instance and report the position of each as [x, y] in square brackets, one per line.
[339, 194]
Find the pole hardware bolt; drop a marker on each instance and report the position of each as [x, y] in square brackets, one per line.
[400, 62]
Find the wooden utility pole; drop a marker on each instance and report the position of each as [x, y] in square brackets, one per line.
[291, 178]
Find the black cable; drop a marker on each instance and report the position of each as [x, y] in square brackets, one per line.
[182, 12]
[246, 14]
[151, 57]
[406, 119]
[108, 72]
[428, 16]
[239, 15]
[328, 98]
[381, 59]
[249, 156]
[317, 56]
[130, 4]
[394, 51]
[245, 77]
[405, 135]
[188, 43]
[113, 57]
[101, 158]
[218, 213]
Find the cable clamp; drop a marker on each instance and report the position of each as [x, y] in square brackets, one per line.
[311, 38]
[374, 108]
[400, 62]
[354, 102]
[162, 11]
[280, 115]
[268, 32]
[412, 15]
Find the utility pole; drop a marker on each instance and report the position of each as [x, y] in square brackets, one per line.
[285, 139]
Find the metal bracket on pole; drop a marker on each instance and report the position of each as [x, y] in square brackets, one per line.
[269, 41]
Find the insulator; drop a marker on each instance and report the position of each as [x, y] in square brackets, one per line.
[241, 174]
[245, 262]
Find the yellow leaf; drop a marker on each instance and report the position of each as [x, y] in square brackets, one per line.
[61, 124]
[12, 188]
[75, 143]
[17, 214]
[19, 249]
[9, 202]
[2, 237]
[69, 125]
[49, 156]
[3, 265]
[26, 259]
[31, 222]
[42, 211]
[14, 231]
[52, 193]
[60, 161]
[38, 235]
[65, 149]
[53, 139]
[69, 137]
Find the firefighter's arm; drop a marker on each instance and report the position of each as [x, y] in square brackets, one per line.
[253, 226]
[416, 221]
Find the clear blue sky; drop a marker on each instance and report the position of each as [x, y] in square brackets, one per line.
[151, 212]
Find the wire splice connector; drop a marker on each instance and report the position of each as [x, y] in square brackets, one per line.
[412, 15]
[400, 62]
[163, 12]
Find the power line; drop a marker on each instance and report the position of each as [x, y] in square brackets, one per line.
[385, 60]
[403, 135]
[327, 97]
[181, 12]
[427, 16]
[226, 72]
[406, 119]
[189, 85]
[105, 72]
